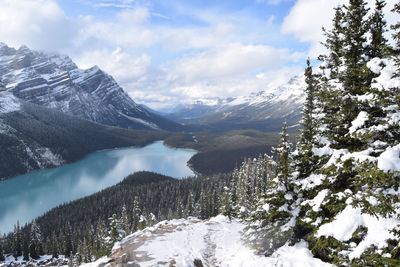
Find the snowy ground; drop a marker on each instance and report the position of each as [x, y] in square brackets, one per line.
[216, 242]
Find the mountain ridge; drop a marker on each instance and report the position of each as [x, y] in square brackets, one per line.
[54, 81]
[269, 107]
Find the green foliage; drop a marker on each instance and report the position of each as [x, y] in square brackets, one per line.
[327, 248]
[378, 46]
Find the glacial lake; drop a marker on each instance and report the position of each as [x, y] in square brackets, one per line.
[28, 196]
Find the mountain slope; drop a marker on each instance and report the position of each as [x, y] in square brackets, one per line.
[55, 82]
[265, 109]
[193, 242]
[34, 137]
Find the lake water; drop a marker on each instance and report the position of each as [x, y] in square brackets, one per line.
[28, 196]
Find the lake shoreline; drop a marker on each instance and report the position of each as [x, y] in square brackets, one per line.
[39, 189]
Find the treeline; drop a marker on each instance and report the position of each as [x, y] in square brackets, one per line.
[87, 228]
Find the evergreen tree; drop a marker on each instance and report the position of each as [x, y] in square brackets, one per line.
[17, 241]
[142, 222]
[33, 251]
[2, 258]
[356, 73]
[396, 31]
[334, 43]
[378, 46]
[25, 248]
[115, 226]
[87, 252]
[190, 208]
[304, 159]
[136, 214]
[67, 242]
[126, 226]
[227, 203]
[151, 219]
[54, 246]
[284, 157]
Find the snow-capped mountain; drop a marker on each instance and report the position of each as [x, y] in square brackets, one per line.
[270, 106]
[54, 81]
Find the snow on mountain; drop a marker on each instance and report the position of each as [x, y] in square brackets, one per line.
[283, 102]
[8, 103]
[193, 242]
[54, 81]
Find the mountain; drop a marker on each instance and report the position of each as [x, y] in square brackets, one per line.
[263, 110]
[54, 81]
[34, 137]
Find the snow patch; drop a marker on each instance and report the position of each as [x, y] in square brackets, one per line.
[9, 103]
[347, 221]
[389, 160]
[358, 122]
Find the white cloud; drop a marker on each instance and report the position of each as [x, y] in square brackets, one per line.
[306, 18]
[124, 67]
[232, 60]
[128, 28]
[40, 24]
[273, 2]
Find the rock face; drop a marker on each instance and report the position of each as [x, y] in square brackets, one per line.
[55, 82]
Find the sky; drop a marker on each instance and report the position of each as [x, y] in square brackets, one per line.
[170, 52]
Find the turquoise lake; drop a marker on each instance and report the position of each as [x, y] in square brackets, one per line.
[28, 196]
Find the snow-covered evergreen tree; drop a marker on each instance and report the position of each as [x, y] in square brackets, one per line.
[304, 158]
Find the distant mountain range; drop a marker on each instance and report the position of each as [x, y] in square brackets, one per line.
[263, 110]
[55, 82]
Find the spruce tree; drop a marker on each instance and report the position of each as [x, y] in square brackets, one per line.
[378, 45]
[114, 228]
[396, 29]
[283, 157]
[2, 258]
[25, 248]
[136, 214]
[17, 241]
[334, 43]
[227, 203]
[190, 206]
[304, 158]
[126, 226]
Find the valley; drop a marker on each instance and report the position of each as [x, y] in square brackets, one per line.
[200, 133]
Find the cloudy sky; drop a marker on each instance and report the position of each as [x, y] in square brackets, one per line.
[164, 52]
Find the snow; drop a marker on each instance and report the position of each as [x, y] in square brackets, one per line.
[358, 122]
[216, 242]
[317, 201]
[312, 181]
[101, 261]
[322, 151]
[387, 70]
[344, 225]
[389, 160]
[295, 256]
[347, 221]
[141, 121]
[8, 103]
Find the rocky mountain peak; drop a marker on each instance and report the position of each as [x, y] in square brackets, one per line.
[54, 81]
